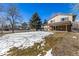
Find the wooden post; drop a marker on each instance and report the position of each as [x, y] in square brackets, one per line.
[66, 28]
[55, 27]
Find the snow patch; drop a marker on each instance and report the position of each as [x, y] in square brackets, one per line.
[43, 44]
[74, 37]
[21, 40]
[49, 53]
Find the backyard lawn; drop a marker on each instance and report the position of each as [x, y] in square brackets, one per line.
[57, 44]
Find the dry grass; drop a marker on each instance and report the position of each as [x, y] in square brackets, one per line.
[63, 43]
[52, 40]
[30, 51]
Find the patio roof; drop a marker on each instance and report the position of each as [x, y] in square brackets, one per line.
[61, 23]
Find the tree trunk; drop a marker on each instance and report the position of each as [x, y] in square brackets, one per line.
[2, 29]
[12, 28]
[13, 25]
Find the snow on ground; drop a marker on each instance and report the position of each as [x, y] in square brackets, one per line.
[74, 37]
[21, 40]
[49, 53]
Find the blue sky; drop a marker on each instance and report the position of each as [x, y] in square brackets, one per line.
[44, 10]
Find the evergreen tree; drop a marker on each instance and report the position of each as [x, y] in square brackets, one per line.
[35, 22]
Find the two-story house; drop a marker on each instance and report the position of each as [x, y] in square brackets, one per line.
[61, 22]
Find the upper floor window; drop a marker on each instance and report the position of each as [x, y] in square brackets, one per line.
[51, 21]
[64, 19]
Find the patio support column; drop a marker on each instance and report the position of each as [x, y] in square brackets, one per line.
[66, 28]
[55, 27]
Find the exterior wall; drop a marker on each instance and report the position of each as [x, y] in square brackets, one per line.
[58, 18]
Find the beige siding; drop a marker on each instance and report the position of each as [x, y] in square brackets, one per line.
[58, 18]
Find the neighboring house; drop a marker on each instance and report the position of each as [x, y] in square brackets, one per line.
[46, 27]
[61, 22]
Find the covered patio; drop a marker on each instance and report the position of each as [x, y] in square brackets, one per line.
[62, 26]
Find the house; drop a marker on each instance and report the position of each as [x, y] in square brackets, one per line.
[61, 22]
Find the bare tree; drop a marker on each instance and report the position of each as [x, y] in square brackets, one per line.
[13, 16]
[2, 22]
[2, 18]
[75, 7]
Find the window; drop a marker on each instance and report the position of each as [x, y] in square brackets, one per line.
[64, 19]
[51, 21]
